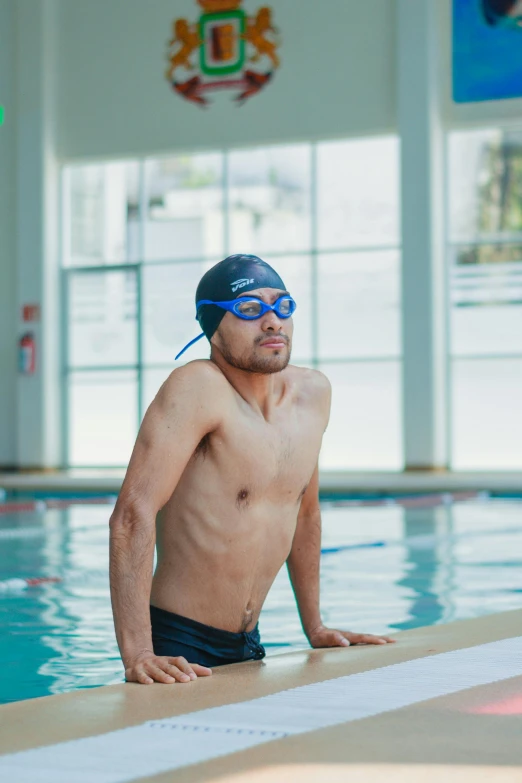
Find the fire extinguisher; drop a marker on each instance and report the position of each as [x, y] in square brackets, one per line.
[27, 354]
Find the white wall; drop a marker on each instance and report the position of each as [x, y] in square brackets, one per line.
[37, 262]
[29, 432]
[7, 236]
[337, 78]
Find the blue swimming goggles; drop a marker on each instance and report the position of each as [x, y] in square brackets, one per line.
[248, 308]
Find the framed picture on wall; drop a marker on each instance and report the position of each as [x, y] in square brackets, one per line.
[487, 50]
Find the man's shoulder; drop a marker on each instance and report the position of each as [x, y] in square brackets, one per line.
[199, 368]
[313, 382]
[199, 378]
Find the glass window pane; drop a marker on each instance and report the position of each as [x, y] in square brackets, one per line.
[485, 185]
[359, 304]
[486, 298]
[103, 417]
[487, 414]
[102, 327]
[365, 429]
[269, 199]
[169, 312]
[358, 193]
[101, 213]
[185, 217]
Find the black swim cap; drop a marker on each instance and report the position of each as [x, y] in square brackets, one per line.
[227, 280]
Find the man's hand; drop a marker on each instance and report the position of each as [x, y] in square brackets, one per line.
[147, 668]
[329, 637]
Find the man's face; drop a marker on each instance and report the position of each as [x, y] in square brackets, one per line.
[262, 345]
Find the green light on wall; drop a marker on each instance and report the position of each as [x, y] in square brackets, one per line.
[2, 115]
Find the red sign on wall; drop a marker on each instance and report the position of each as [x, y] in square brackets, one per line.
[31, 312]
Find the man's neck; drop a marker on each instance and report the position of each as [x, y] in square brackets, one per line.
[262, 391]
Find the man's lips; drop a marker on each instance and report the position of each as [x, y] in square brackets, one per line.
[273, 342]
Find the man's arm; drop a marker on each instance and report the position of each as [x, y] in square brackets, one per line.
[303, 567]
[183, 412]
[304, 564]
[303, 561]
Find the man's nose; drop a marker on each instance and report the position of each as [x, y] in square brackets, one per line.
[271, 321]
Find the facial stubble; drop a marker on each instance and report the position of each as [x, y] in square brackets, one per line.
[255, 363]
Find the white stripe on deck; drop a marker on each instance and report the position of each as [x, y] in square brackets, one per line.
[158, 746]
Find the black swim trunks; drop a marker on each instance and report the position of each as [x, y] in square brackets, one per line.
[175, 635]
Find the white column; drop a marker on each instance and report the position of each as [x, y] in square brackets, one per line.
[7, 237]
[38, 419]
[423, 278]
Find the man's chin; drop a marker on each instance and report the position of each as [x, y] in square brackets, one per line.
[267, 365]
[275, 361]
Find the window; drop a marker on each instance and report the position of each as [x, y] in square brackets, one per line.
[485, 279]
[138, 236]
[269, 199]
[358, 301]
[184, 210]
[101, 214]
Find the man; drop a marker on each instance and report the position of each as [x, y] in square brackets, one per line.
[226, 458]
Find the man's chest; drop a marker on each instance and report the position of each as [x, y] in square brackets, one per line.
[279, 455]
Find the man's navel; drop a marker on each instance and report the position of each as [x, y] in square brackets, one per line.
[247, 617]
[243, 498]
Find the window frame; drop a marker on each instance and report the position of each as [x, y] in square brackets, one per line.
[313, 252]
[451, 247]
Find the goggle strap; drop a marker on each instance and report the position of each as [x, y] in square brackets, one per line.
[189, 344]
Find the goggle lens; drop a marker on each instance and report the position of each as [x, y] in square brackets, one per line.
[286, 306]
[253, 308]
[250, 308]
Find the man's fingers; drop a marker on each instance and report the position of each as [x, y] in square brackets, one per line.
[201, 671]
[144, 678]
[183, 665]
[165, 670]
[366, 638]
[159, 675]
[188, 668]
[363, 638]
[175, 672]
[333, 639]
[138, 675]
[379, 639]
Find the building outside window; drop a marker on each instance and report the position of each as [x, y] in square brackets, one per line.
[485, 268]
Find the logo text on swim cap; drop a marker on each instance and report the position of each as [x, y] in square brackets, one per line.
[240, 283]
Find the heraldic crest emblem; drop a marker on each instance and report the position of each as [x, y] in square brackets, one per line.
[231, 51]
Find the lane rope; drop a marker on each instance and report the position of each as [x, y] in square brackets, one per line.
[16, 584]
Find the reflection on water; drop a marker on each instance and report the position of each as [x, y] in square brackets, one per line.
[424, 559]
[430, 565]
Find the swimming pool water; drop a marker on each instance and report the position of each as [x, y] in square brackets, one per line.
[384, 568]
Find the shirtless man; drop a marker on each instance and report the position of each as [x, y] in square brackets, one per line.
[224, 470]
